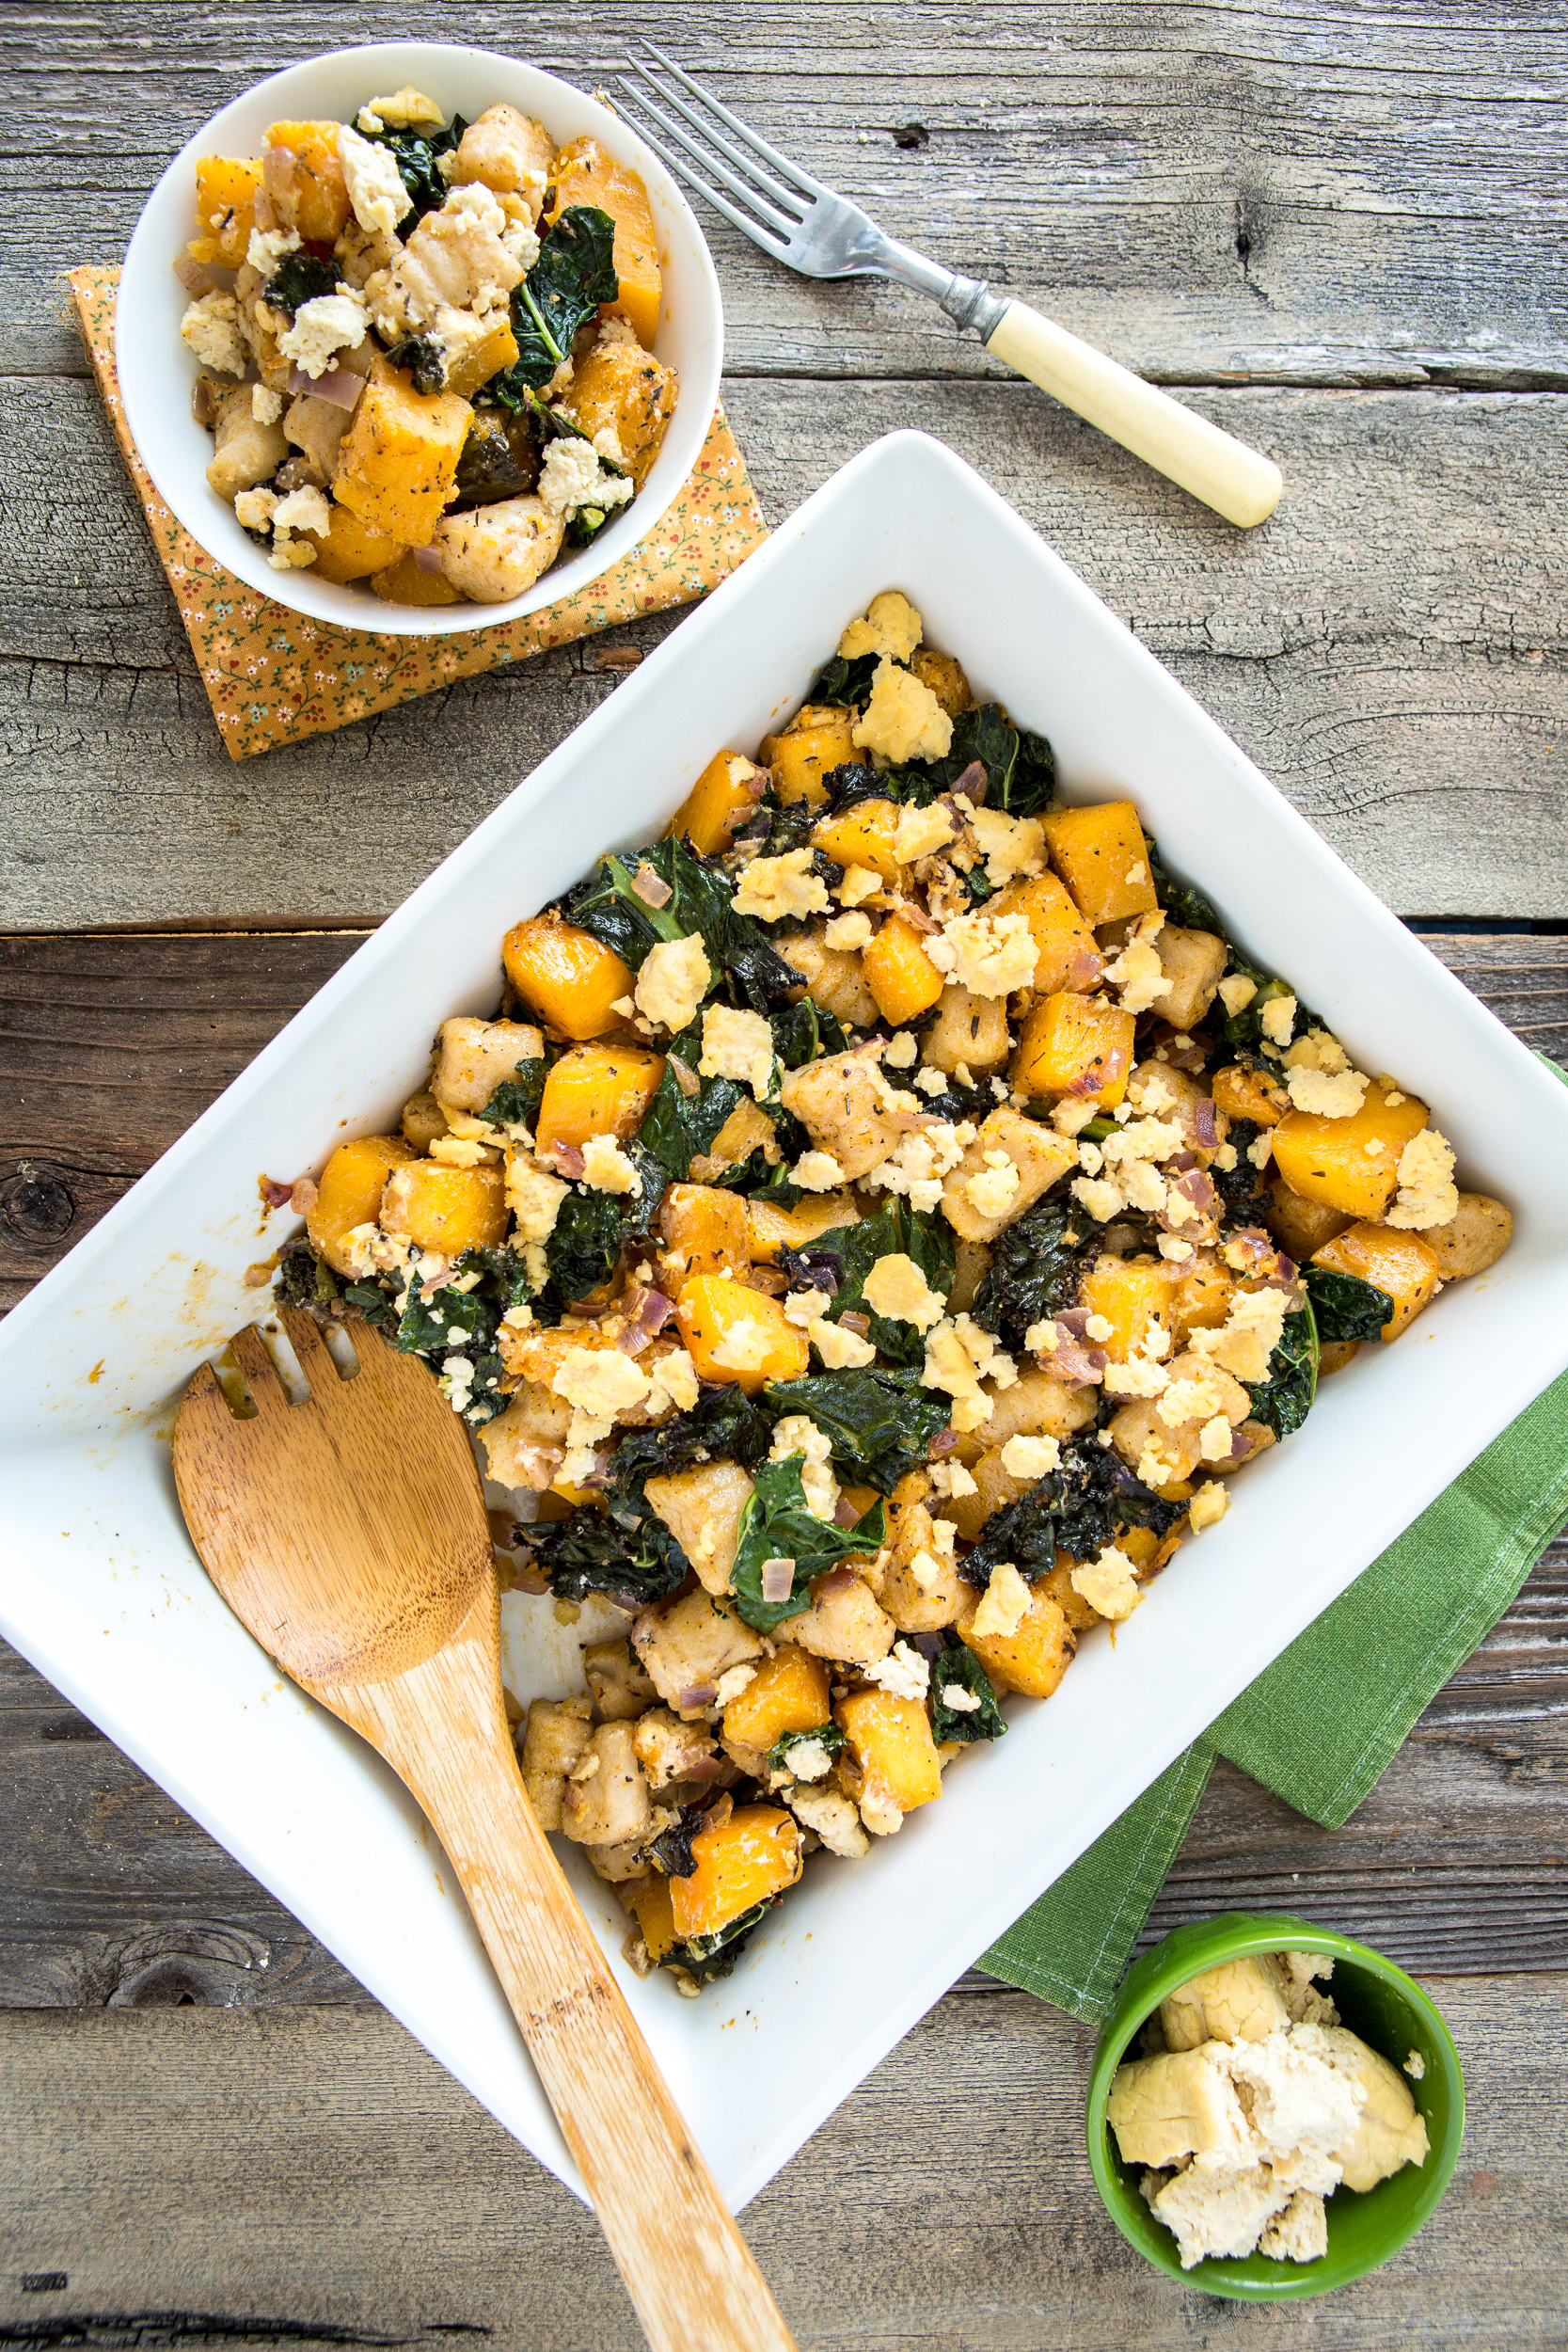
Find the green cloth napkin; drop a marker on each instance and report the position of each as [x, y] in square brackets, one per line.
[1320, 1725]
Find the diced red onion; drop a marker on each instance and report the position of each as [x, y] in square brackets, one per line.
[686, 1077]
[778, 1580]
[930, 1644]
[844, 1513]
[302, 1197]
[503, 1529]
[974, 783]
[532, 1581]
[566, 1157]
[647, 1313]
[650, 888]
[273, 1194]
[194, 275]
[703, 1767]
[341, 386]
[944, 1442]
[837, 1581]
[857, 1323]
[277, 169]
[427, 560]
[1204, 1123]
[697, 1694]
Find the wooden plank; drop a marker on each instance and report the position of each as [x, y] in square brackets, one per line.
[1388, 648]
[317, 2177]
[1294, 189]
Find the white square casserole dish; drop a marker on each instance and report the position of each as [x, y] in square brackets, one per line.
[99, 1586]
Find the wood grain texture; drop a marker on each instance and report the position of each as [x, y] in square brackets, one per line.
[1297, 189]
[316, 2177]
[1390, 646]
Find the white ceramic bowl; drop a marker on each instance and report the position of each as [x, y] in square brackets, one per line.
[157, 370]
[99, 1586]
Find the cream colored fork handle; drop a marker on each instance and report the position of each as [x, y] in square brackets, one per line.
[1237, 482]
[686, 2267]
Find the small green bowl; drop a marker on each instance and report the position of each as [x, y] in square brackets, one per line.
[1376, 2001]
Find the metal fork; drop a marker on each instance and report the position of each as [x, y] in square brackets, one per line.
[819, 233]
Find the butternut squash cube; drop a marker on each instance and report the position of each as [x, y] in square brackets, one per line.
[732, 1332]
[566, 976]
[774, 1229]
[445, 1209]
[945, 677]
[596, 1090]
[1348, 1164]
[349, 551]
[789, 1691]
[1100, 854]
[1033, 1657]
[863, 835]
[1066, 956]
[623, 387]
[314, 196]
[584, 174]
[901, 977]
[1400, 1263]
[1242, 1093]
[1075, 1045]
[653, 1908]
[995, 1490]
[1132, 1293]
[350, 1190]
[1299, 1226]
[226, 187]
[704, 1230]
[398, 461]
[407, 582]
[890, 1742]
[816, 740]
[727, 791]
[484, 360]
[1202, 1298]
[754, 1854]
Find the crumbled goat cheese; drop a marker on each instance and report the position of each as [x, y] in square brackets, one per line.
[1011, 845]
[1102, 1201]
[1236, 993]
[212, 330]
[897, 1288]
[675, 1374]
[848, 931]
[805, 1307]
[806, 1759]
[1277, 1019]
[921, 832]
[891, 627]
[1031, 1457]
[798, 1436]
[407, 109]
[958, 1701]
[1137, 972]
[903, 720]
[881, 1811]
[322, 328]
[606, 1168]
[255, 509]
[840, 1350]
[534, 1198]
[1260, 1149]
[951, 1479]
[1248, 1336]
[1326, 1097]
[816, 1171]
[1416, 2067]
[731, 1684]
[903, 1672]
[1215, 1440]
[1426, 1192]
[1207, 1506]
[934, 1082]
[776, 888]
[860, 883]
[920, 1161]
[374, 184]
[993, 1187]
[675, 976]
[267, 246]
[1109, 1584]
[1189, 1399]
[1041, 1338]
[958, 1355]
[303, 510]
[991, 955]
[265, 406]
[833, 1818]
[600, 1380]
[738, 1046]
[1004, 1604]
[462, 1152]
[573, 478]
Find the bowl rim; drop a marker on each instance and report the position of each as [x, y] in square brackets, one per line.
[296, 591]
[1205, 1943]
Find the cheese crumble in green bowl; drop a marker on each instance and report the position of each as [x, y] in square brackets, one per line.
[1377, 2001]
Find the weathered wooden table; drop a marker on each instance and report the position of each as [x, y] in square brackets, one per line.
[1342, 230]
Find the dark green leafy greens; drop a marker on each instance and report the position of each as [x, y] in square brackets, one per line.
[845, 683]
[743, 956]
[462, 1323]
[878, 1424]
[1242, 1188]
[1283, 1401]
[776, 1525]
[592, 1228]
[416, 152]
[1344, 1306]
[1245, 1027]
[1036, 1267]
[678, 1126]
[1021, 768]
[1182, 901]
[515, 1101]
[299, 278]
[724, 1424]
[306, 1280]
[588, 1554]
[1078, 1507]
[707, 1958]
[955, 1664]
[855, 1249]
[573, 274]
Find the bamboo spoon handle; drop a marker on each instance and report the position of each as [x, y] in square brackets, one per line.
[1238, 483]
[686, 2265]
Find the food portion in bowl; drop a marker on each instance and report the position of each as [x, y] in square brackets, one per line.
[425, 346]
[866, 1243]
[1251, 2104]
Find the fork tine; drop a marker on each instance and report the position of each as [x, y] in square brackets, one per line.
[768, 239]
[781, 163]
[785, 224]
[259, 1370]
[792, 202]
[304, 1337]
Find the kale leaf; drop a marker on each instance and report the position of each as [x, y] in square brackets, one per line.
[1245, 1027]
[299, 278]
[671, 1852]
[1242, 1188]
[415, 152]
[1036, 1267]
[723, 1426]
[304, 1279]
[850, 782]
[896, 1228]
[1283, 1401]
[515, 1101]
[1079, 1508]
[1183, 902]
[776, 1525]
[588, 1554]
[776, 825]
[593, 1229]
[878, 1424]
[804, 1032]
[707, 1958]
[740, 951]
[1021, 768]
[957, 1665]
[464, 1323]
[677, 1126]
[573, 274]
[845, 683]
[425, 359]
[1344, 1306]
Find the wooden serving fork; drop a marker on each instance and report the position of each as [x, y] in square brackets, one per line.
[348, 1534]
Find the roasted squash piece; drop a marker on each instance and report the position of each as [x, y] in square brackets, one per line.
[350, 1190]
[398, 462]
[407, 582]
[774, 1229]
[1132, 1293]
[890, 1742]
[789, 1691]
[1400, 1263]
[736, 1333]
[350, 550]
[484, 360]
[445, 1209]
[1352, 1163]
[653, 1908]
[900, 975]
[722, 797]
[863, 835]
[756, 1853]
[566, 976]
[1075, 1044]
[624, 388]
[1100, 854]
[817, 739]
[1299, 1226]
[1242, 1093]
[596, 1090]
[1033, 1657]
[704, 1230]
[226, 187]
[1066, 954]
[584, 174]
[313, 195]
